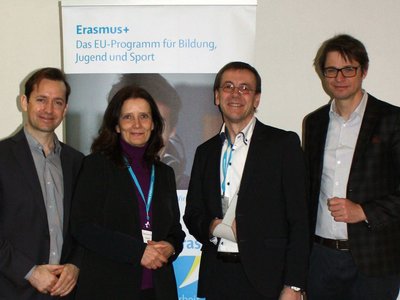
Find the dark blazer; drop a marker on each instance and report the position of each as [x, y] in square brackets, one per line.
[24, 232]
[105, 220]
[374, 183]
[271, 213]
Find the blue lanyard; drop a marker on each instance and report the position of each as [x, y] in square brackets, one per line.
[151, 189]
[226, 161]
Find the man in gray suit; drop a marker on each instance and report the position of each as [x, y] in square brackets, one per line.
[38, 258]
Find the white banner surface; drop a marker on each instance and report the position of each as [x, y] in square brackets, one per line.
[175, 48]
[158, 38]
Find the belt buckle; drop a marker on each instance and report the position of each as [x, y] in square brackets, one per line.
[228, 257]
[342, 245]
[337, 245]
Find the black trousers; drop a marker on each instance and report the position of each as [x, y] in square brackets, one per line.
[333, 275]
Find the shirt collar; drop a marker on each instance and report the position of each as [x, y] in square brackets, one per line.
[35, 145]
[244, 135]
[358, 112]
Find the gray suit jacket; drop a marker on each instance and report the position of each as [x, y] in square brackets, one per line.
[24, 233]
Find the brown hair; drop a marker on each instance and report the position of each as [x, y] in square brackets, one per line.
[107, 141]
[348, 47]
[46, 73]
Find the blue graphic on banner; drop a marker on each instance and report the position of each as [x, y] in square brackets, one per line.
[186, 276]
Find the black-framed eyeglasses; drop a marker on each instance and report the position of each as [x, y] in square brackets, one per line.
[347, 72]
[243, 89]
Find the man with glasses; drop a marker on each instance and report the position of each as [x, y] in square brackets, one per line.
[352, 146]
[246, 200]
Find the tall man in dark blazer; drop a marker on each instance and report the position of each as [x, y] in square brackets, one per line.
[353, 151]
[246, 200]
[38, 258]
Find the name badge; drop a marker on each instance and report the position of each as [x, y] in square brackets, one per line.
[147, 235]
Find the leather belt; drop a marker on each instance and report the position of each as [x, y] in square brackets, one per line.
[229, 257]
[342, 245]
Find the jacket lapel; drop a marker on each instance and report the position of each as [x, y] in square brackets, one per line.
[24, 159]
[66, 163]
[371, 116]
[318, 138]
[257, 142]
[213, 177]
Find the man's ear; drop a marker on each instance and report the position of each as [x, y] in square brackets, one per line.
[364, 73]
[24, 102]
[65, 110]
[216, 98]
[257, 100]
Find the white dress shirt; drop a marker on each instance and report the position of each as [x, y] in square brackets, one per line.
[237, 152]
[339, 149]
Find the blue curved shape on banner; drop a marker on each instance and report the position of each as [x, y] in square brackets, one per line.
[186, 272]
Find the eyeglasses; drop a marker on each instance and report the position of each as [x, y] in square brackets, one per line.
[243, 89]
[347, 72]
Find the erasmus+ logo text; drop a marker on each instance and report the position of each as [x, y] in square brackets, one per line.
[89, 30]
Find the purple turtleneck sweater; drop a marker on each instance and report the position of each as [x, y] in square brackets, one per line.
[142, 172]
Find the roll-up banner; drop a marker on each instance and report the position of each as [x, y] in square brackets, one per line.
[171, 48]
